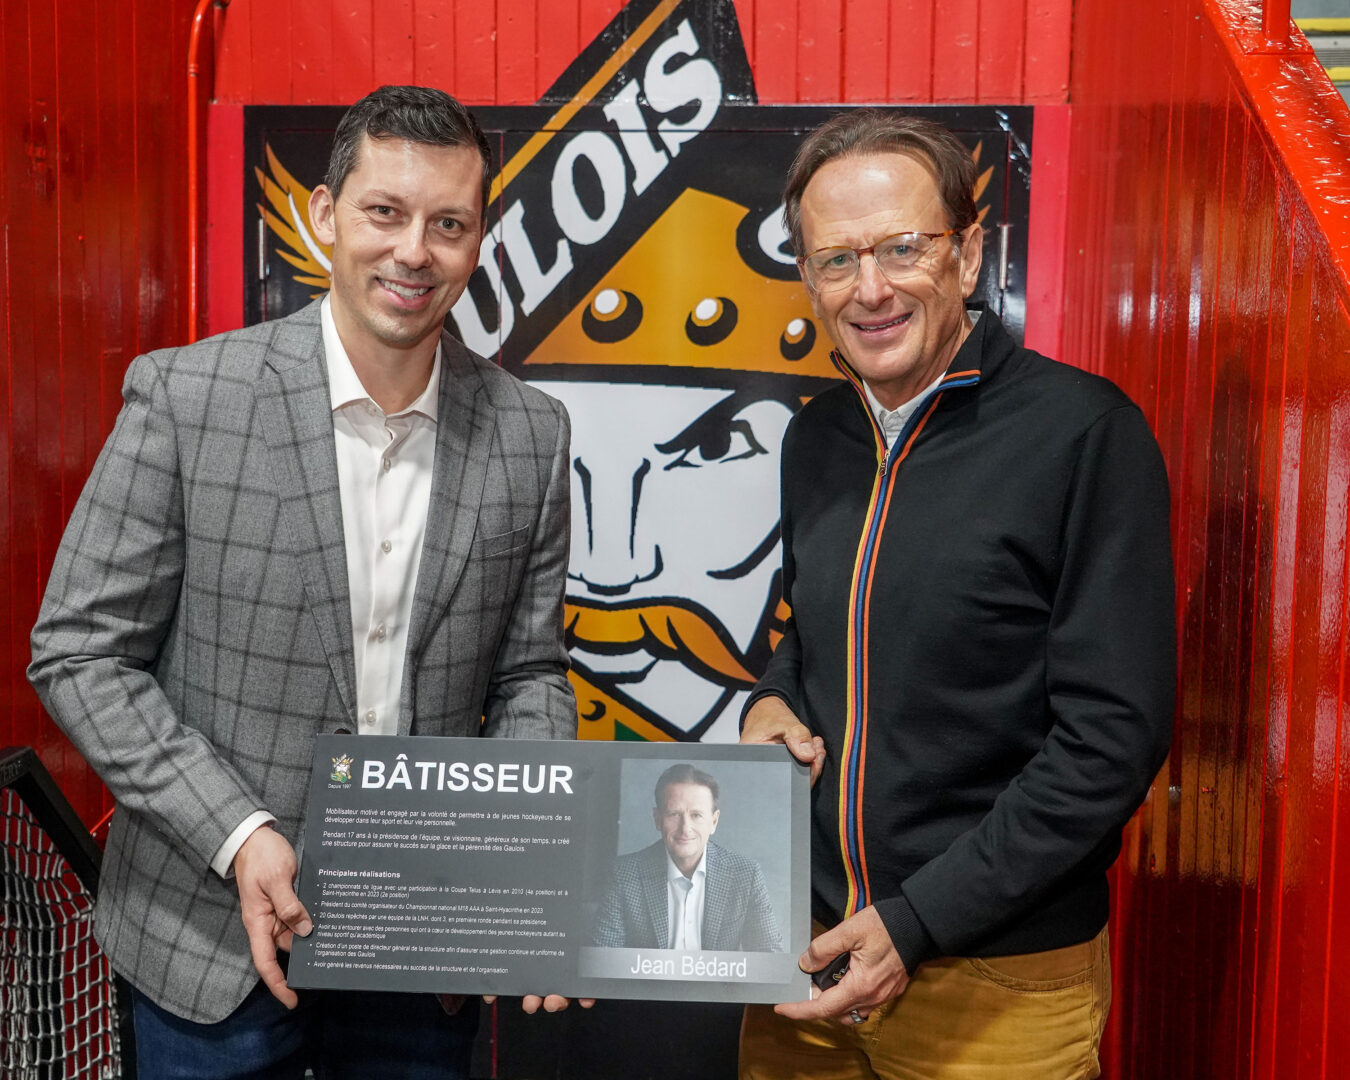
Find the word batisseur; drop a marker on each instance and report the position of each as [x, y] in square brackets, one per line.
[455, 776]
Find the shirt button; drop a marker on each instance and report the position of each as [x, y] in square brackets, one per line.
[370, 716]
[380, 632]
[386, 546]
[388, 464]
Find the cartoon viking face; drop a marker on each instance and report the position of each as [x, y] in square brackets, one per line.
[672, 598]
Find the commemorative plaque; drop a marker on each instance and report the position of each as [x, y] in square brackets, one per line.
[670, 871]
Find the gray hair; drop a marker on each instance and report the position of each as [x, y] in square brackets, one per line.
[878, 131]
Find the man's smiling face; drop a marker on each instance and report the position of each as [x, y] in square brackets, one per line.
[686, 819]
[898, 337]
[405, 230]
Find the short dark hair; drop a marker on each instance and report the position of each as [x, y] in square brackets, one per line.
[685, 774]
[420, 114]
[879, 131]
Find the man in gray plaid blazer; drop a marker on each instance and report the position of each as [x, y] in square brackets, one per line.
[684, 891]
[341, 521]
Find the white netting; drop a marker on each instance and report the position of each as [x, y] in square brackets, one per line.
[58, 1014]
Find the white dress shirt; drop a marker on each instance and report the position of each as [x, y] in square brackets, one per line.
[684, 904]
[892, 421]
[384, 464]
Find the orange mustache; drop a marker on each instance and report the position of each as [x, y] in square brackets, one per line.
[669, 630]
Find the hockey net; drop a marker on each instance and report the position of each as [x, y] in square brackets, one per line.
[58, 1005]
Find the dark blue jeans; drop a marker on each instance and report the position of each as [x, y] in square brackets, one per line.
[341, 1035]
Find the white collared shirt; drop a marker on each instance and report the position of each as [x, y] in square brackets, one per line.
[684, 904]
[893, 421]
[384, 464]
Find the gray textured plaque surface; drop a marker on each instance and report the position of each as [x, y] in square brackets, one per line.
[478, 865]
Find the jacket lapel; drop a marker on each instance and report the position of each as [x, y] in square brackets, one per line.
[297, 421]
[655, 890]
[716, 900]
[464, 428]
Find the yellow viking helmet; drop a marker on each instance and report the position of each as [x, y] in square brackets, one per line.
[682, 296]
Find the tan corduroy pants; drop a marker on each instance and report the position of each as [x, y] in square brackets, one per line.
[1038, 1016]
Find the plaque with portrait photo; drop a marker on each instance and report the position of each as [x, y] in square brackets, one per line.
[665, 871]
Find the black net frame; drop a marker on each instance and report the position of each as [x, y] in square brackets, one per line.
[59, 1014]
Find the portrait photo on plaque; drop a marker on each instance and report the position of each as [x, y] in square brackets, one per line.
[699, 869]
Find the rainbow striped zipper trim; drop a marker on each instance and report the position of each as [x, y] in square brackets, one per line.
[854, 756]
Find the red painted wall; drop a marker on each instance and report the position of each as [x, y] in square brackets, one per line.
[1209, 232]
[91, 251]
[284, 52]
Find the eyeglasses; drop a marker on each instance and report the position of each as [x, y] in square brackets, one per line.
[897, 257]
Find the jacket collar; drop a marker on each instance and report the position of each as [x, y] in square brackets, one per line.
[986, 348]
[464, 433]
[297, 423]
[983, 351]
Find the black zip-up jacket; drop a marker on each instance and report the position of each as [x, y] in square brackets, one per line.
[983, 632]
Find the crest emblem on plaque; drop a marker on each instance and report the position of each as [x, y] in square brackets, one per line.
[342, 770]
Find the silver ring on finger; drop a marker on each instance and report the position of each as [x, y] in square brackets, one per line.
[855, 1016]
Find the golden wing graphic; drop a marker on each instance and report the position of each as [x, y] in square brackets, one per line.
[982, 181]
[288, 218]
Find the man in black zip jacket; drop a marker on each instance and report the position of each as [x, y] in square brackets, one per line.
[980, 664]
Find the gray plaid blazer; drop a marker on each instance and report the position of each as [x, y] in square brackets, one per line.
[737, 914]
[196, 631]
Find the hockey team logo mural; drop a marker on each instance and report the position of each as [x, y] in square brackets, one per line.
[636, 267]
